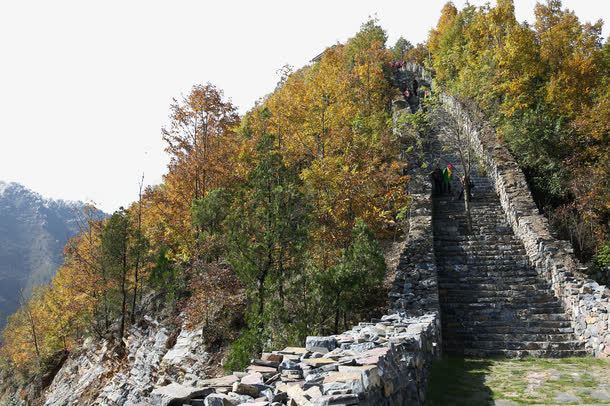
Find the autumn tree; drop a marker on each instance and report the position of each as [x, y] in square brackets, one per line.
[198, 123]
[200, 144]
[544, 87]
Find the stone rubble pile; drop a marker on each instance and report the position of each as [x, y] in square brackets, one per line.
[381, 362]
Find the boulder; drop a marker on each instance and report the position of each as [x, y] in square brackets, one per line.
[218, 399]
[245, 389]
[238, 399]
[253, 379]
[166, 395]
[320, 344]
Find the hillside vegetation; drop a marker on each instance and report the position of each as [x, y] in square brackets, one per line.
[266, 227]
[33, 232]
[546, 89]
[262, 224]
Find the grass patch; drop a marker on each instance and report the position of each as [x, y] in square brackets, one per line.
[458, 381]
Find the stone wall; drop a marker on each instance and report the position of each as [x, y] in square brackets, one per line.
[585, 301]
[383, 362]
[415, 287]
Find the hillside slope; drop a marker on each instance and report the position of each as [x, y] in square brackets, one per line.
[33, 232]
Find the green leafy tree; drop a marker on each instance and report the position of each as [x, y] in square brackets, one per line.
[208, 214]
[266, 229]
[115, 250]
[353, 285]
[167, 276]
[401, 48]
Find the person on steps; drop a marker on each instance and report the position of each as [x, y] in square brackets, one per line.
[447, 175]
[437, 181]
[469, 190]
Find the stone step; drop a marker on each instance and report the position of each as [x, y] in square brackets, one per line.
[481, 263]
[448, 301]
[497, 258]
[474, 272]
[502, 296]
[474, 238]
[490, 256]
[475, 275]
[483, 215]
[491, 252]
[467, 286]
[490, 282]
[515, 345]
[496, 353]
[461, 230]
[521, 337]
[517, 295]
[446, 246]
[503, 251]
[455, 273]
[504, 327]
[490, 212]
[450, 248]
[506, 317]
[482, 201]
[520, 309]
[446, 220]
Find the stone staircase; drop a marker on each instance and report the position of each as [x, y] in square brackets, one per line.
[493, 303]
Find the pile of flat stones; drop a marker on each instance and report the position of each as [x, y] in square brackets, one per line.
[371, 362]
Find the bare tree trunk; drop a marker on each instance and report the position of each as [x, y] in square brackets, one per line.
[26, 307]
[138, 254]
[106, 306]
[337, 314]
[124, 294]
[467, 202]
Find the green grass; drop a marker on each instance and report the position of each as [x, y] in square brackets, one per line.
[456, 381]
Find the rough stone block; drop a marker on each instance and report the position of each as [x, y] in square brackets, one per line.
[320, 344]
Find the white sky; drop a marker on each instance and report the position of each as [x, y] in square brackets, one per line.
[85, 86]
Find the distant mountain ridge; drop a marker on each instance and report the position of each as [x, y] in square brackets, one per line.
[33, 232]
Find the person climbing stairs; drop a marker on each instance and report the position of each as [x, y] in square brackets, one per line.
[493, 302]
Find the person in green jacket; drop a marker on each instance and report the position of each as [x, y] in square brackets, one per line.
[447, 175]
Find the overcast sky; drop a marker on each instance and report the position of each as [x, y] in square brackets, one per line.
[85, 86]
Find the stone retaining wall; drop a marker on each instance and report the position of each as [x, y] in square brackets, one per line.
[384, 362]
[415, 287]
[586, 302]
